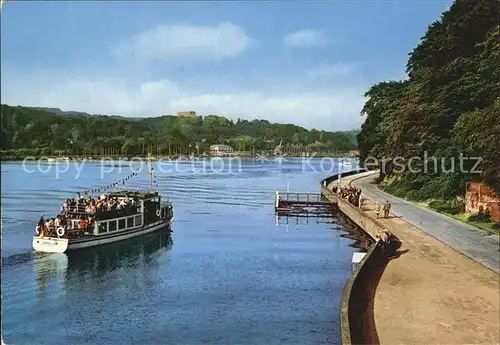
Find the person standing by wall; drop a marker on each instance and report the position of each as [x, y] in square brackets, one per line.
[390, 243]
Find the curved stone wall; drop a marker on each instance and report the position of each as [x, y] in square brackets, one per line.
[332, 178]
[357, 320]
[356, 310]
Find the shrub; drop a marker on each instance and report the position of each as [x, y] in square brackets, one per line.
[482, 216]
[457, 205]
[496, 226]
[454, 206]
[439, 205]
[414, 195]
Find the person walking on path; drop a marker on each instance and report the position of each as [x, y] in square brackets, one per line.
[387, 209]
[377, 209]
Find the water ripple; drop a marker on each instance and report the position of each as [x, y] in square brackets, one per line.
[226, 274]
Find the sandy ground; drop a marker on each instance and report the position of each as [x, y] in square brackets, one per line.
[432, 294]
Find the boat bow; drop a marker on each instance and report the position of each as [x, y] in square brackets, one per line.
[50, 244]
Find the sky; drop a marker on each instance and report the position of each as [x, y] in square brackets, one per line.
[302, 62]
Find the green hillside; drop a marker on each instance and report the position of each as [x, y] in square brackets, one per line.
[41, 131]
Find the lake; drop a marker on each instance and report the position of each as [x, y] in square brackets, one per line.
[229, 272]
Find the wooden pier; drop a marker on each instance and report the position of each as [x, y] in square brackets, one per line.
[303, 204]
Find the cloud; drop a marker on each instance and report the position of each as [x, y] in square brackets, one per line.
[306, 38]
[333, 109]
[163, 41]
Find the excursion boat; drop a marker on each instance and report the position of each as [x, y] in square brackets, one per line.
[112, 217]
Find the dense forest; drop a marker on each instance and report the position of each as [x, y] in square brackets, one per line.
[449, 105]
[43, 131]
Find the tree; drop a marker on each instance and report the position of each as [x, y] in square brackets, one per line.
[449, 104]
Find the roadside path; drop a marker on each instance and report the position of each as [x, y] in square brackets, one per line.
[431, 293]
[467, 239]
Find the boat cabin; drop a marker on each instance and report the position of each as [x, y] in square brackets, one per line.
[115, 212]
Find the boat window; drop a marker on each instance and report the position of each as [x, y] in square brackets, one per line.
[121, 224]
[103, 227]
[138, 221]
[130, 222]
[112, 225]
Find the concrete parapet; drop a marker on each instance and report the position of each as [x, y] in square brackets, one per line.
[357, 321]
[356, 312]
[335, 177]
[371, 226]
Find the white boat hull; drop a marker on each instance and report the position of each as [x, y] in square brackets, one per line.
[50, 244]
[61, 245]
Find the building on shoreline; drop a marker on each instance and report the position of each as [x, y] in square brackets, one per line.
[479, 197]
[186, 113]
[221, 150]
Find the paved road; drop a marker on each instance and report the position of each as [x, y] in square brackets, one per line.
[468, 240]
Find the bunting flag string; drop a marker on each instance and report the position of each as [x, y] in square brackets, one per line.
[113, 185]
[156, 184]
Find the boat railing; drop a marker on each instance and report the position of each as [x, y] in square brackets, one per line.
[76, 209]
[68, 232]
[78, 212]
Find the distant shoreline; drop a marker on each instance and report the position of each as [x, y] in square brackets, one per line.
[54, 159]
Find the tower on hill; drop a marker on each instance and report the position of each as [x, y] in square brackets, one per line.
[186, 113]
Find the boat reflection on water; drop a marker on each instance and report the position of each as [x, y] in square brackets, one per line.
[49, 269]
[93, 262]
[52, 270]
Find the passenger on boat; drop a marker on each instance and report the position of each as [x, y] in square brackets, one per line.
[90, 208]
[79, 196]
[64, 221]
[82, 225]
[104, 206]
[57, 221]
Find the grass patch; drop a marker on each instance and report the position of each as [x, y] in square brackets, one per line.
[491, 227]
